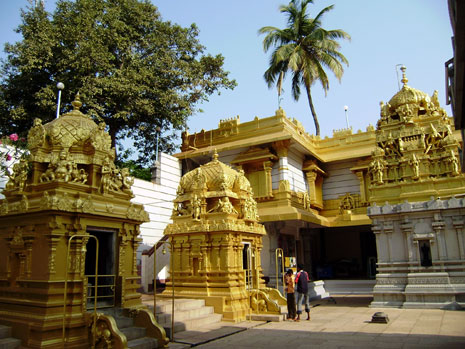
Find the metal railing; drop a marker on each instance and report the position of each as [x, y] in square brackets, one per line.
[279, 254]
[66, 285]
[158, 244]
[102, 286]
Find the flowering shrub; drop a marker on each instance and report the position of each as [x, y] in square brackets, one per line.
[12, 148]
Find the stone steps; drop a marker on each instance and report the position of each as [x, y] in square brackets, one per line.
[136, 336]
[189, 314]
[6, 341]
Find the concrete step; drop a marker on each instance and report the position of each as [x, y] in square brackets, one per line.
[136, 336]
[123, 321]
[143, 343]
[5, 331]
[133, 332]
[191, 324]
[181, 315]
[165, 306]
[9, 343]
[268, 317]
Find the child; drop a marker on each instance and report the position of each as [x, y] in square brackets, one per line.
[289, 286]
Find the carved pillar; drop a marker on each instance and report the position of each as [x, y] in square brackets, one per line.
[215, 254]
[361, 177]
[267, 166]
[311, 178]
[378, 231]
[282, 148]
[458, 225]
[438, 227]
[388, 229]
[407, 229]
[314, 176]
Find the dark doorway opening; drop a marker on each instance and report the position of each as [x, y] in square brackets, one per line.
[341, 253]
[106, 276]
[425, 253]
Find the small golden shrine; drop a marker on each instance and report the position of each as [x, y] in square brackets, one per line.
[68, 229]
[216, 243]
[416, 154]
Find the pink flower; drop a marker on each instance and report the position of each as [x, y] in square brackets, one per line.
[14, 137]
[8, 157]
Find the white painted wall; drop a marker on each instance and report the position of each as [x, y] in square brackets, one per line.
[296, 175]
[158, 202]
[158, 198]
[341, 180]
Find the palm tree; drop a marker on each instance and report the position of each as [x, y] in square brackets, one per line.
[305, 49]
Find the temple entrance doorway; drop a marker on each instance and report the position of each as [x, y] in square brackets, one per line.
[340, 253]
[106, 278]
[249, 265]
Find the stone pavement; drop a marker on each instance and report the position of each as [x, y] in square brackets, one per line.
[346, 324]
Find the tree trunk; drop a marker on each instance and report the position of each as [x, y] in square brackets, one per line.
[112, 134]
[312, 108]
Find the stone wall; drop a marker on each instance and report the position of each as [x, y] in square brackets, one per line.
[421, 254]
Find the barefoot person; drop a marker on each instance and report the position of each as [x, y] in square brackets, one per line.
[301, 281]
[289, 285]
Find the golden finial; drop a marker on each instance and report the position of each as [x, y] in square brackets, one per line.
[215, 155]
[404, 78]
[77, 102]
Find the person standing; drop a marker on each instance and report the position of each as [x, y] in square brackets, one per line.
[289, 283]
[301, 281]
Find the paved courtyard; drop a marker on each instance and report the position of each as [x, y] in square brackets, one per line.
[347, 324]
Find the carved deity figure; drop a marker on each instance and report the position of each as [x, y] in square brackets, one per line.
[36, 135]
[454, 163]
[180, 209]
[224, 205]
[198, 180]
[19, 176]
[127, 180]
[101, 139]
[196, 207]
[109, 179]
[347, 203]
[415, 166]
[63, 167]
[376, 169]
[78, 175]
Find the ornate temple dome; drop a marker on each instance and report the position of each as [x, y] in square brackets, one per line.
[71, 128]
[213, 176]
[408, 96]
[72, 132]
[214, 188]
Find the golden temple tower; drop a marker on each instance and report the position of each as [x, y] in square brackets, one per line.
[417, 208]
[416, 154]
[65, 206]
[216, 242]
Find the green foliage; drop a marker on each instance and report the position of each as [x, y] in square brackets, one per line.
[136, 170]
[133, 70]
[304, 49]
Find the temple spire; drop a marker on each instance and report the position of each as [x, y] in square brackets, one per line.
[77, 102]
[404, 78]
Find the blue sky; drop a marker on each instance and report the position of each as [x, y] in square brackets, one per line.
[416, 33]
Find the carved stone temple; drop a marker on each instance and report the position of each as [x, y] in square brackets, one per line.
[62, 200]
[217, 242]
[417, 205]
